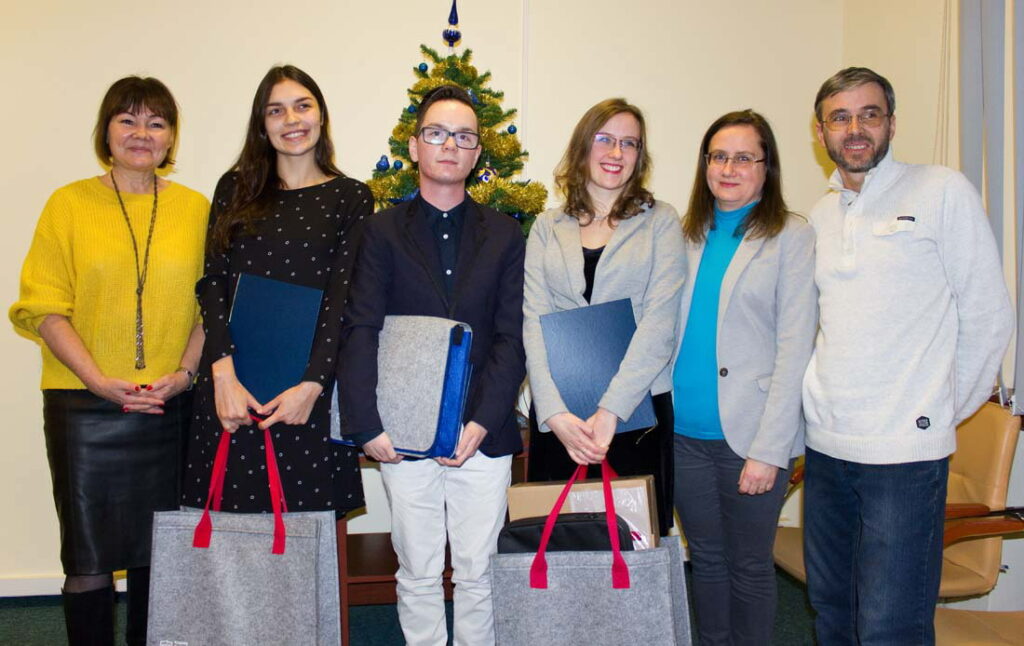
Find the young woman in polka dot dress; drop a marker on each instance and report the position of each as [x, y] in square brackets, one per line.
[287, 213]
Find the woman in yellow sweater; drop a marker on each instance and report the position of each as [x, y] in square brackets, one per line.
[107, 290]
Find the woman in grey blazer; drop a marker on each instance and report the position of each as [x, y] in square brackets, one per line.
[749, 316]
[610, 240]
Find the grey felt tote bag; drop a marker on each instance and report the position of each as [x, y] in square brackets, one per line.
[222, 578]
[594, 598]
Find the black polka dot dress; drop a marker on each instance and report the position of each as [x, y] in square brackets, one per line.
[309, 238]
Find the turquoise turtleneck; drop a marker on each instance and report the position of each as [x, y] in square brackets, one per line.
[695, 378]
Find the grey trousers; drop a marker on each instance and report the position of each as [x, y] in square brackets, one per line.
[730, 536]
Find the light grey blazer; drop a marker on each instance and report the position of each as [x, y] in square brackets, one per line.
[643, 261]
[767, 320]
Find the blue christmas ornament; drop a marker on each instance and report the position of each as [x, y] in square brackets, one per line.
[518, 216]
[486, 174]
[382, 163]
[512, 129]
[397, 165]
[411, 109]
[423, 67]
[452, 35]
[472, 96]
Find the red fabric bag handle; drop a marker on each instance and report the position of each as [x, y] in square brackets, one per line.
[204, 530]
[620, 571]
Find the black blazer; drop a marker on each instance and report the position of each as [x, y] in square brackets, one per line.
[398, 271]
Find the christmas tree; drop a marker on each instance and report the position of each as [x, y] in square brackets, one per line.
[493, 181]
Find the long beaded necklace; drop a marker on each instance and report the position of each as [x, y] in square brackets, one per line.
[140, 274]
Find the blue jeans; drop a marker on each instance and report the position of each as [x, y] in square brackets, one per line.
[873, 549]
[730, 537]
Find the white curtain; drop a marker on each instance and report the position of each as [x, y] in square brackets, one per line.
[991, 150]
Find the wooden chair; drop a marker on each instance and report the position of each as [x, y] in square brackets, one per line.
[979, 475]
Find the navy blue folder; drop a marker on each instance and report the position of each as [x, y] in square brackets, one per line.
[585, 347]
[272, 325]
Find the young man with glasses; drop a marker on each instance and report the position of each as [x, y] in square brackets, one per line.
[915, 319]
[442, 254]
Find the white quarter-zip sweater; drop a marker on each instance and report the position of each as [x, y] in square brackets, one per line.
[915, 316]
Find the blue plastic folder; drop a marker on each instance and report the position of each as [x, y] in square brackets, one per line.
[585, 347]
[457, 372]
[272, 324]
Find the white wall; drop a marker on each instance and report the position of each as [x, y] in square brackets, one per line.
[684, 61]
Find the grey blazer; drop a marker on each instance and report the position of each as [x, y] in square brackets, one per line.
[644, 261]
[767, 320]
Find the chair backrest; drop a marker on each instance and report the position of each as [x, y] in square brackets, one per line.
[979, 472]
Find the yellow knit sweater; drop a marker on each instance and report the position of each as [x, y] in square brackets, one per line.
[81, 266]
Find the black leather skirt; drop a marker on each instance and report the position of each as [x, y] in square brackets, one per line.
[111, 470]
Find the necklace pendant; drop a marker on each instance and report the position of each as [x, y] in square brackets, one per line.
[140, 349]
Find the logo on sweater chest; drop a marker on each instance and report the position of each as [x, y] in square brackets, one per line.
[923, 422]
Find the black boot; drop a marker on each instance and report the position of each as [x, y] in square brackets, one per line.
[89, 617]
[138, 606]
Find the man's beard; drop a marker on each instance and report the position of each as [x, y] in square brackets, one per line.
[835, 152]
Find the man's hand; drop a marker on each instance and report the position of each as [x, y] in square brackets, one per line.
[472, 435]
[381, 449]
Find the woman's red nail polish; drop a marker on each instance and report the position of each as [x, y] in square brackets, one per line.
[137, 389]
[128, 393]
[124, 409]
[149, 387]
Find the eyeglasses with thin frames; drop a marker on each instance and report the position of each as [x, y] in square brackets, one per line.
[739, 160]
[870, 118]
[605, 141]
[437, 136]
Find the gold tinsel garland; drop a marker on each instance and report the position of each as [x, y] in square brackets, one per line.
[526, 198]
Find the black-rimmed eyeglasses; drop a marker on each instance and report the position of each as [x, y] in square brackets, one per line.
[437, 136]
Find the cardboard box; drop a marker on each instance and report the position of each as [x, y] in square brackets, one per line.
[634, 503]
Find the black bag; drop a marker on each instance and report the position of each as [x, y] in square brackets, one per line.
[574, 532]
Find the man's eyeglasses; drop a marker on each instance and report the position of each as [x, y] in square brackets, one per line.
[741, 160]
[870, 118]
[437, 137]
[604, 141]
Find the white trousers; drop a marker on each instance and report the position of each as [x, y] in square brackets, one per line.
[466, 506]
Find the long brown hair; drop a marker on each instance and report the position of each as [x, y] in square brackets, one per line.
[768, 217]
[256, 168]
[573, 172]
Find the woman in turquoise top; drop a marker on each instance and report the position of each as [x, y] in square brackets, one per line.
[749, 315]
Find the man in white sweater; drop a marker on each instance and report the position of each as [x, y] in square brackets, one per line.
[915, 319]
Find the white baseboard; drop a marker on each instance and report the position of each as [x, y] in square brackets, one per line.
[35, 586]
[30, 586]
